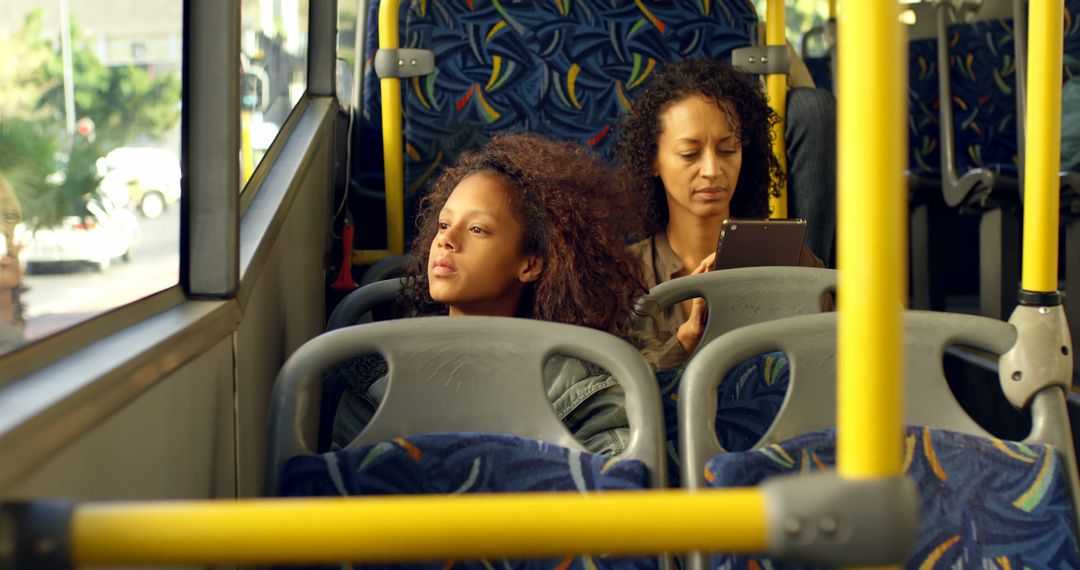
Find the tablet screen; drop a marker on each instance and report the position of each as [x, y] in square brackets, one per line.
[756, 242]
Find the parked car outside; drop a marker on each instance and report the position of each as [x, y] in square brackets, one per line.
[146, 178]
[98, 232]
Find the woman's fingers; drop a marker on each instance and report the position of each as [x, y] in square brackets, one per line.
[697, 312]
[706, 264]
[690, 333]
[709, 262]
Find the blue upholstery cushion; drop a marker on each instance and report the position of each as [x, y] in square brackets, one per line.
[983, 78]
[468, 463]
[985, 503]
[924, 126]
[563, 68]
[748, 399]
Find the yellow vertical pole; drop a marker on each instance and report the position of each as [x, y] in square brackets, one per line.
[1042, 151]
[832, 9]
[247, 154]
[393, 155]
[871, 214]
[776, 88]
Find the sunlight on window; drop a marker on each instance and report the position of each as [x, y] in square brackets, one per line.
[802, 16]
[89, 171]
[273, 62]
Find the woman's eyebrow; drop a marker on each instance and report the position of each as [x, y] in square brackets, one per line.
[693, 139]
[473, 212]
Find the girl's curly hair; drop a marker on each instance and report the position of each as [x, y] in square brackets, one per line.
[574, 217]
[639, 132]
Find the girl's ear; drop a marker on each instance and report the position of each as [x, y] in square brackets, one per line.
[531, 269]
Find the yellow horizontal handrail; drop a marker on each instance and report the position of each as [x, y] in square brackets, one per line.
[418, 528]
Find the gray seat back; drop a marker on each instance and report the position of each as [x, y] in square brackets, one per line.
[463, 374]
[355, 305]
[746, 296]
[810, 404]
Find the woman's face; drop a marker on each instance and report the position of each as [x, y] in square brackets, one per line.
[10, 215]
[476, 265]
[698, 157]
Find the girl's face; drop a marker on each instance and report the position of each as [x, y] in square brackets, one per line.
[476, 265]
[698, 157]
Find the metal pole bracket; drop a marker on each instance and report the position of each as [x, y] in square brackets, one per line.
[404, 62]
[762, 60]
[825, 519]
[1041, 356]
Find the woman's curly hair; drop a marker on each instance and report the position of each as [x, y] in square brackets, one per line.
[574, 217]
[639, 132]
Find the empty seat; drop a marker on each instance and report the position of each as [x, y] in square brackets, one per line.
[983, 78]
[982, 498]
[985, 503]
[924, 149]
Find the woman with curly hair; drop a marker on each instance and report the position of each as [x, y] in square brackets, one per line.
[524, 228]
[697, 146]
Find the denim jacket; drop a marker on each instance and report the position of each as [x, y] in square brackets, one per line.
[585, 398]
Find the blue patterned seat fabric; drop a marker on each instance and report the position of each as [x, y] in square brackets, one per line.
[468, 463]
[983, 77]
[924, 157]
[985, 503]
[748, 399]
[562, 68]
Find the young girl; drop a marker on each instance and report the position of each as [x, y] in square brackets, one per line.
[532, 228]
[697, 147]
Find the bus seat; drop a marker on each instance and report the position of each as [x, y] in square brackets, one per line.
[444, 463]
[923, 102]
[979, 132]
[984, 503]
[752, 393]
[388, 268]
[927, 225]
[972, 480]
[463, 374]
[355, 308]
[820, 69]
[748, 400]
[565, 69]
[465, 412]
[747, 295]
[982, 74]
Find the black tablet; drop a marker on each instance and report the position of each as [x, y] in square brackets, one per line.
[754, 242]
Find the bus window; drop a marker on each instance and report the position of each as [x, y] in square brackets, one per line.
[273, 61]
[90, 169]
[802, 16]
